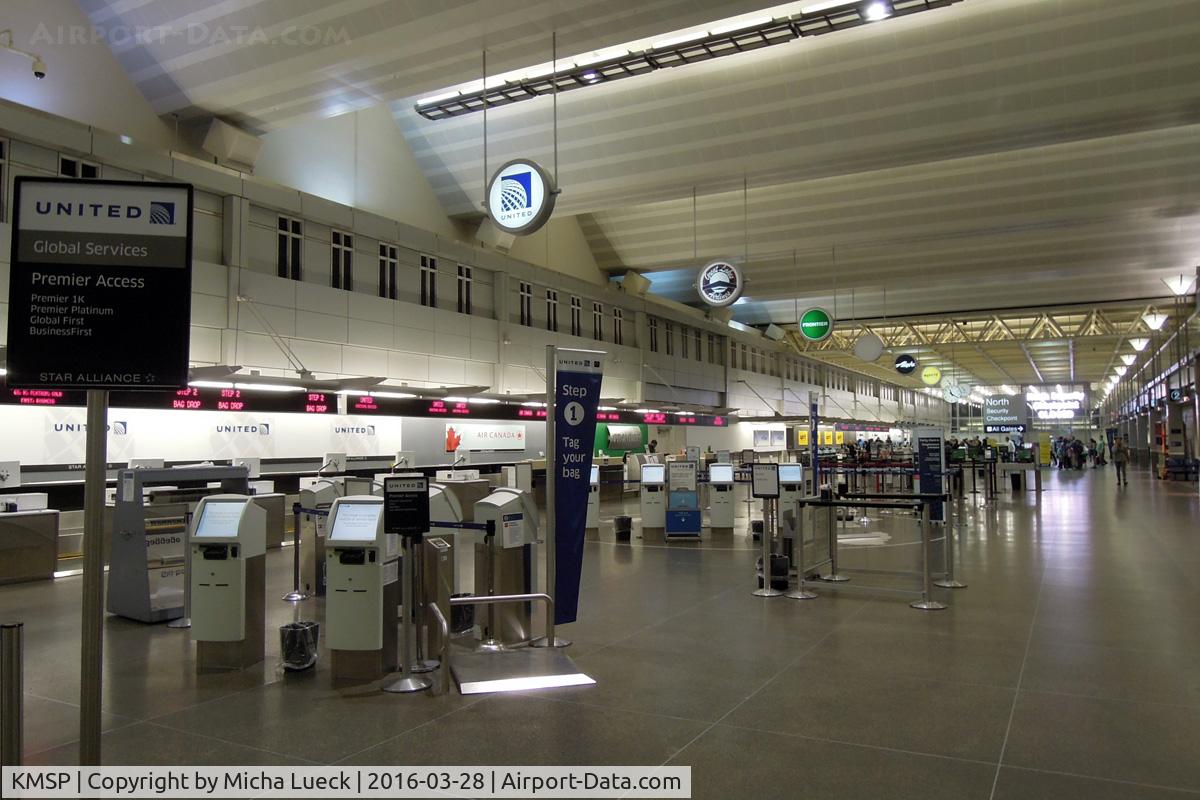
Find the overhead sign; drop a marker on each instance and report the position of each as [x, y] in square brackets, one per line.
[869, 347]
[1056, 403]
[577, 378]
[466, 436]
[1005, 414]
[100, 284]
[720, 284]
[521, 197]
[906, 364]
[931, 376]
[816, 324]
[764, 480]
[931, 466]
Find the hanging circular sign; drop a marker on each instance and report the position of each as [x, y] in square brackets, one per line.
[906, 364]
[869, 347]
[931, 376]
[816, 324]
[720, 284]
[521, 197]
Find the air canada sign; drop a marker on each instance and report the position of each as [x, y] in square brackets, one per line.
[460, 436]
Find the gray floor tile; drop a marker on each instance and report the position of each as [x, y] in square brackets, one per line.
[1137, 742]
[1023, 784]
[1113, 673]
[147, 744]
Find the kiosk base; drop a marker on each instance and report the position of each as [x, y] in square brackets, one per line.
[654, 535]
[213, 656]
[370, 665]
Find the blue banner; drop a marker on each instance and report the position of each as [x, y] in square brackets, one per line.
[576, 396]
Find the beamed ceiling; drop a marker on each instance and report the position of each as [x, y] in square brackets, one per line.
[994, 154]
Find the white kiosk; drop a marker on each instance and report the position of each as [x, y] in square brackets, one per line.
[721, 498]
[505, 564]
[593, 504]
[362, 574]
[653, 501]
[791, 489]
[228, 582]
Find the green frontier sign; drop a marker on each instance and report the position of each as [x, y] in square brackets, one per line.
[816, 324]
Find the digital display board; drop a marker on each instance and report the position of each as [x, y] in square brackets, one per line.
[418, 407]
[191, 398]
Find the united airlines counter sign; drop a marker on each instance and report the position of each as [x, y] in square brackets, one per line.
[521, 197]
[720, 284]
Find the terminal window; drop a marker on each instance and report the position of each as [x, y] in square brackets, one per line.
[3, 176]
[618, 326]
[464, 289]
[428, 281]
[669, 330]
[388, 264]
[526, 301]
[598, 322]
[341, 266]
[291, 245]
[576, 317]
[653, 335]
[552, 311]
[696, 342]
[69, 167]
[683, 341]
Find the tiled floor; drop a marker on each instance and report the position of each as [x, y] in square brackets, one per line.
[1069, 668]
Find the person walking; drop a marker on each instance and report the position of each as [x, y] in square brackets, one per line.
[1120, 455]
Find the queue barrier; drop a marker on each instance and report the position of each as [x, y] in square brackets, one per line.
[917, 503]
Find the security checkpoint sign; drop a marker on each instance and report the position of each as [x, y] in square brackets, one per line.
[577, 378]
[100, 284]
[931, 466]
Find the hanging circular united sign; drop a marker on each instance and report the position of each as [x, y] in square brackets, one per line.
[521, 197]
[720, 284]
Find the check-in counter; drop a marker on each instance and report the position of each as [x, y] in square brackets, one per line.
[28, 545]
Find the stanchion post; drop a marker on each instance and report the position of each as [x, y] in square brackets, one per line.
[800, 593]
[409, 681]
[92, 624]
[768, 534]
[12, 693]
[550, 639]
[295, 595]
[948, 580]
[834, 576]
[926, 603]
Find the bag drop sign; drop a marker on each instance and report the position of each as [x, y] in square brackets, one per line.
[577, 394]
[100, 284]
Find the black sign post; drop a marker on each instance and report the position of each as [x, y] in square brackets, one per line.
[406, 505]
[99, 298]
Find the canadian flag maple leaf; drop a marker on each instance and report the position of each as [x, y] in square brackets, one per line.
[453, 440]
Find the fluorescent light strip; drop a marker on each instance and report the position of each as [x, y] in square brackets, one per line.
[524, 684]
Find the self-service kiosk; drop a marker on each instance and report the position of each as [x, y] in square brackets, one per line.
[683, 500]
[362, 573]
[593, 503]
[228, 582]
[791, 489]
[721, 502]
[504, 564]
[653, 501]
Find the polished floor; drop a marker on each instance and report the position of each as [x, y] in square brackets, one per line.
[1069, 668]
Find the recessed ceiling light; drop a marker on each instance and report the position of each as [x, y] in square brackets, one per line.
[877, 10]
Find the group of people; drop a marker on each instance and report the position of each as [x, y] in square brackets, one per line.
[870, 448]
[1070, 452]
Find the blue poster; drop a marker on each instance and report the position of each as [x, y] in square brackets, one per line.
[576, 395]
[930, 455]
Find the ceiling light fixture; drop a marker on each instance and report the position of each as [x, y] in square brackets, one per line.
[675, 50]
[1120, 369]
[1128, 358]
[1139, 343]
[1179, 285]
[1154, 319]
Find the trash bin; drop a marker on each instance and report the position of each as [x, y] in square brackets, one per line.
[462, 618]
[756, 529]
[623, 528]
[779, 571]
[298, 644]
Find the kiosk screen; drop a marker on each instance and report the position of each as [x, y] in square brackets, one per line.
[220, 520]
[653, 473]
[720, 473]
[356, 522]
[790, 473]
[595, 475]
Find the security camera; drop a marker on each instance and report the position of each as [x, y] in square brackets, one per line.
[39, 68]
[6, 43]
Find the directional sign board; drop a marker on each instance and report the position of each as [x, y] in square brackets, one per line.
[100, 284]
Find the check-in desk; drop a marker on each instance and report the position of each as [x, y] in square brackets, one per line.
[363, 580]
[228, 582]
[721, 499]
[28, 545]
[653, 502]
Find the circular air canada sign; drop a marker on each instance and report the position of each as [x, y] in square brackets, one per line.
[816, 324]
[720, 284]
[521, 197]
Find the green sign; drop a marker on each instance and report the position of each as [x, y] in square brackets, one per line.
[816, 324]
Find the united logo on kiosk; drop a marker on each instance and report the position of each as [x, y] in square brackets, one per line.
[720, 284]
[521, 197]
